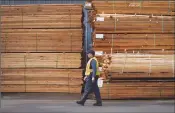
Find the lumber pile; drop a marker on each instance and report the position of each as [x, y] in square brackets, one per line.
[42, 40]
[42, 48]
[132, 25]
[134, 40]
[41, 16]
[138, 89]
[125, 65]
[41, 80]
[146, 7]
[41, 60]
[42, 28]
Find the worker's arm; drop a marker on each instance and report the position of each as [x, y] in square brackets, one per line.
[94, 68]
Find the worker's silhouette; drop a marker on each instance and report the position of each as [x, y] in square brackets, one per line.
[92, 74]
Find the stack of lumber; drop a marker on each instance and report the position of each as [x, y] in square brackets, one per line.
[125, 65]
[41, 60]
[42, 16]
[42, 28]
[155, 7]
[134, 33]
[41, 80]
[41, 40]
[132, 25]
[138, 89]
[42, 47]
[137, 42]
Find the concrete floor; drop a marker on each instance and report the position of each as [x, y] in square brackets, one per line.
[65, 103]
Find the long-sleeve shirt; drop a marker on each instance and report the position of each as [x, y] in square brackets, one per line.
[93, 67]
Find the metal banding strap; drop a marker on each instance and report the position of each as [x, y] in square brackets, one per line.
[69, 81]
[150, 65]
[115, 22]
[141, 4]
[113, 6]
[173, 65]
[154, 41]
[57, 61]
[162, 24]
[6, 36]
[70, 29]
[108, 88]
[25, 70]
[169, 6]
[112, 44]
[36, 42]
[124, 62]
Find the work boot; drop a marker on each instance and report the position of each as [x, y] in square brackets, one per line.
[97, 104]
[80, 103]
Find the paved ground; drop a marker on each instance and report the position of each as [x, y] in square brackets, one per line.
[66, 104]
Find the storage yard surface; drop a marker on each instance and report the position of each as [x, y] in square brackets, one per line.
[62, 103]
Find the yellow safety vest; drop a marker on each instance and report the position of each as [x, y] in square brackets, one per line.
[88, 70]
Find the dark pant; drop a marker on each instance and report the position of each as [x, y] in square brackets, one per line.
[91, 87]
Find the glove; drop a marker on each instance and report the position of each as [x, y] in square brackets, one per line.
[93, 79]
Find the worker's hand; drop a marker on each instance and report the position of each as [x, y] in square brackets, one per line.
[93, 79]
[85, 78]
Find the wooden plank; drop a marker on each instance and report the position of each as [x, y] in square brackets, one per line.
[132, 7]
[75, 89]
[119, 90]
[136, 65]
[44, 21]
[12, 88]
[46, 88]
[60, 80]
[41, 60]
[40, 40]
[142, 63]
[141, 75]
[131, 26]
[44, 9]
[134, 36]
[13, 76]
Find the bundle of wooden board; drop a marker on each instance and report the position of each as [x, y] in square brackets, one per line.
[133, 24]
[128, 29]
[125, 65]
[138, 38]
[42, 16]
[157, 7]
[138, 89]
[42, 46]
[41, 9]
[134, 43]
[41, 80]
[41, 60]
[42, 40]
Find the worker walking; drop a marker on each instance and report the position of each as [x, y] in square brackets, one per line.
[92, 74]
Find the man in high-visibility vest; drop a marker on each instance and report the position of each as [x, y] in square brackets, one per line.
[92, 74]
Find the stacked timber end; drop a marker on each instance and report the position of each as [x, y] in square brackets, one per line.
[134, 42]
[42, 48]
